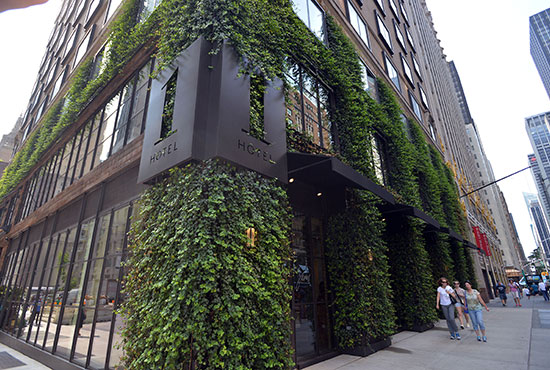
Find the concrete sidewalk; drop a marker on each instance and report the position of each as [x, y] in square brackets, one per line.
[518, 339]
[11, 359]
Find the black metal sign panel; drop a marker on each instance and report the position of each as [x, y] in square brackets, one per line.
[211, 116]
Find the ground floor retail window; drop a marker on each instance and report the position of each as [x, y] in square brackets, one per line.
[60, 293]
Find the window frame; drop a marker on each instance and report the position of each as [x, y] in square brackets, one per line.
[388, 63]
[399, 36]
[360, 20]
[386, 38]
[415, 106]
[407, 71]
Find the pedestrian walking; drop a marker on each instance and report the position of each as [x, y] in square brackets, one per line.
[501, 291]
[527, 293]
[462, 315]
[445, 297]
[542, 290]
[475, 303]
[514, 291]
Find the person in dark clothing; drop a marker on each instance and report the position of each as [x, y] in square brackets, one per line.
[501, 291]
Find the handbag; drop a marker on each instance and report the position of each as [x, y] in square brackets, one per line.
[453, 299]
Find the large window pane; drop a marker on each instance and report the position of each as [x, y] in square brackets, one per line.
[307, 106]
[123, 117]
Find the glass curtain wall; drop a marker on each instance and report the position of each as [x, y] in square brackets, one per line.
[61, 293]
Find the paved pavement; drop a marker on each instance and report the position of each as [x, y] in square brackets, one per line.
[11, 359]
[518, 339]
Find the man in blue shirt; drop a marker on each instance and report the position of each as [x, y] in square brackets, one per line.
[501, 290]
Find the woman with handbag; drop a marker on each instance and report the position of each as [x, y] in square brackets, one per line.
[447, 297]
[462, 315]
[474, 303]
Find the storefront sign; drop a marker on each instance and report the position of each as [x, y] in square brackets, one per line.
[485, 244]
[211, 116]
[477, 235]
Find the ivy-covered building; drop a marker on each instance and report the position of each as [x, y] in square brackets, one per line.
[247, 184]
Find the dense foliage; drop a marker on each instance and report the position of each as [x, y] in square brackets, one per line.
[358, 267]
[437, 245]
[199, 291]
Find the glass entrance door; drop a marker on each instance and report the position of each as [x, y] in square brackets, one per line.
[312, 329]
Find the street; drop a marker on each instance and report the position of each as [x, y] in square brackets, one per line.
[518, 339]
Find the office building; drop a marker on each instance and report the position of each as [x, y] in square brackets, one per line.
[542, 232]
[537, 128]
[122, 125]
[539, 31]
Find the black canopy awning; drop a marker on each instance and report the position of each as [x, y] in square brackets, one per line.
[452, 234]
[470, 245]
[326, 171]
[407, 210]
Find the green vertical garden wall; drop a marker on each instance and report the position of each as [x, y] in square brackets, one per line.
[199, 292]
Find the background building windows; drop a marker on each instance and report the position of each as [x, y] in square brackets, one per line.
[399, 35]
[393, 7]
[383, 32]
[409, 37]
[312, 15]
[415, 106]
[423, 97]
[416, 67]
[358, 24]
[369, 81]
[378, 159]
[392, 72]
[407, 70]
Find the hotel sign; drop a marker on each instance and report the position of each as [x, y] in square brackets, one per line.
[211, 116]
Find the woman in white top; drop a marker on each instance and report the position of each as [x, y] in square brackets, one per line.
[448, 308]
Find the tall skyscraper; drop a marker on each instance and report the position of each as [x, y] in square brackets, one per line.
[541, 226]
[539, 29]
[538, 130]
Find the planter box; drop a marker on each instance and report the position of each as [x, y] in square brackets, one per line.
[367, 349]
[422, 327]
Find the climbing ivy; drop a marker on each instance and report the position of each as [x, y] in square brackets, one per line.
[200, 293]
[358, 267]
[84, 86]
[437, 245]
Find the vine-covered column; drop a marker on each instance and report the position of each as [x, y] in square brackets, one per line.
[207, 286]
[437, 245]
[358, 269]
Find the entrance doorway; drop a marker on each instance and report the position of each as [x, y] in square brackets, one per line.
[310, 301]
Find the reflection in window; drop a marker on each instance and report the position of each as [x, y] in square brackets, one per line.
[409, 37]
[423, 97]
[369, 81]
[392, 72]
[399, 35]
[394, 8]
[358, 24]
[407, 70]
[378, 159]
[113, 6]
[82, 48]
[383, 31]
[416, 67]
[415, 106]
[312, 15]
[148, 7]
[404, 12]
[93, 6]
[308, 107]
